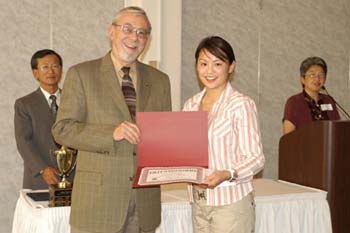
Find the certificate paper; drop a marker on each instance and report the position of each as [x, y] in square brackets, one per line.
[165, 175]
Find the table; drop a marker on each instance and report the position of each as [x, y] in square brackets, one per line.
[280, 207]
[283, 207]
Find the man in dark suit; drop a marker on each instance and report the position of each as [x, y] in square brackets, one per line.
[33, 121]
[97, 117]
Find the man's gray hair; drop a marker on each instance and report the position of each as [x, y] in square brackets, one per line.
[132, 9]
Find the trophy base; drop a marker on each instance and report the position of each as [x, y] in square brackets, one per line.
[59, 196]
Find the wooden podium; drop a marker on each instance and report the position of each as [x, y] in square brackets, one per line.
[318, 155]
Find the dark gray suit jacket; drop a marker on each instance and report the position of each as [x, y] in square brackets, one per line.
[33, 122]
[92, 105]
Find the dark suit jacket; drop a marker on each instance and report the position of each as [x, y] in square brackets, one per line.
[92, 105]
[33, 122]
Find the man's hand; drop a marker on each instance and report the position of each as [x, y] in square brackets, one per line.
[128, 131]
[217, 177]
[50, 175]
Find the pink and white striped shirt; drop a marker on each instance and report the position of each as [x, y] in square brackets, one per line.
[234, 143]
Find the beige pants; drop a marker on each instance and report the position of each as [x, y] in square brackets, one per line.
[75, 230]
[132, 221]
[236, 218]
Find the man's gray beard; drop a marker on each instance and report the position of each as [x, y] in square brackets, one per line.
[126, 57]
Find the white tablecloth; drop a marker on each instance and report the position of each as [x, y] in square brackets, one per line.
[280, 208]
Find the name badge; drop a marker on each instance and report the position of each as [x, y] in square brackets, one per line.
[326, 107]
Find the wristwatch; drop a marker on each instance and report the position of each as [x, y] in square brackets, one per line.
[233, 175]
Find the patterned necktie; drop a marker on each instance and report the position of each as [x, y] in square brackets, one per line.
[129, 91]
[53, 106]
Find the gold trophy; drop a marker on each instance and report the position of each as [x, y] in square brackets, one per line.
[60, 193]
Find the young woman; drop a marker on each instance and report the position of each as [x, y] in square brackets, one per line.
[235, 150]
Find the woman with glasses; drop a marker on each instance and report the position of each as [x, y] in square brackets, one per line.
[309, 105]
[235, 153]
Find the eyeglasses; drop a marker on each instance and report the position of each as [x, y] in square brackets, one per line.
[53, 67]
[127, 29]
[314, 75]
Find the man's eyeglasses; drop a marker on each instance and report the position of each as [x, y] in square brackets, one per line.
[315, 75]
[127, 29]
[54, 67]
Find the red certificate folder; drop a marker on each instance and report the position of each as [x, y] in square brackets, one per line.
[172, 139]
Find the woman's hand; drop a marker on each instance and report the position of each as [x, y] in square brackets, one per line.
[217, 177]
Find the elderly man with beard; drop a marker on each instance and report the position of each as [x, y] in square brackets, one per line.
[97, 117]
